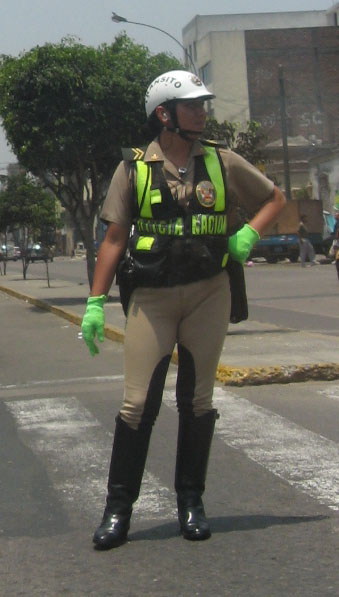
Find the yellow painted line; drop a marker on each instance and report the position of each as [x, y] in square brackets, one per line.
[111, 332]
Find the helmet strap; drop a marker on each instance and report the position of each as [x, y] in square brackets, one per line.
[184, 133]
[175, 128]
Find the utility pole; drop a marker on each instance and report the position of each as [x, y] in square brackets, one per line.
[284, 133]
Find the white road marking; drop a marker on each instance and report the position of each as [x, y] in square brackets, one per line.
[54, 382]
[78, 453]
[304, 459]
[331, 392]
[73, 443]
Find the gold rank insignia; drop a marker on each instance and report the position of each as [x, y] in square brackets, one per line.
[138, 153]
[206, 193]
[131, 154]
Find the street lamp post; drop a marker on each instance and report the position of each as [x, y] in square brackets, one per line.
[284, 133]
[118, 19]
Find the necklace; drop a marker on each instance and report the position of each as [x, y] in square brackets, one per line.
[182, 170]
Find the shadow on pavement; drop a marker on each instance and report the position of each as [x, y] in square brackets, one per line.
[224, 524]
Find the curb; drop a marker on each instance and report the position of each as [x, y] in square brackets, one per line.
[228, 376]
[110, 331]
[256, 376]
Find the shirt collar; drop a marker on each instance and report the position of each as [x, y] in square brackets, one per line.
[154, 152]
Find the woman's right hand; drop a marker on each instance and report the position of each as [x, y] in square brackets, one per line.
[93, 322]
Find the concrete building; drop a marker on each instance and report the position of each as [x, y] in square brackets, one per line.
[324, 176]
[238, 57]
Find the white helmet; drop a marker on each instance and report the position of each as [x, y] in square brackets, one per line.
[174, 85]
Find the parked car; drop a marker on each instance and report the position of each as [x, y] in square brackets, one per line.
[38, 252]
[8, 252]
[16, 253]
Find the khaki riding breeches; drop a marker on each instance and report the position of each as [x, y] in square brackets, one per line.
[194, 316]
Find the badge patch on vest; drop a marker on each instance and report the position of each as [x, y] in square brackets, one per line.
[206, 193]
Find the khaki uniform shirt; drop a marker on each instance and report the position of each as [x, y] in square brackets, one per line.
[247, 188]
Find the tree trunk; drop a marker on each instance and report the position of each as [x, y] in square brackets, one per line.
[88, 238]
[6, 254]
[91, 261]
[25, 264]
[24, 251]
[47, 273]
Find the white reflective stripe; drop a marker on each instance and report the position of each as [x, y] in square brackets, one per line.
[304, 459]
[78, 451]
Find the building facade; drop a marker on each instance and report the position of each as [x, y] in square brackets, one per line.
[273, 65]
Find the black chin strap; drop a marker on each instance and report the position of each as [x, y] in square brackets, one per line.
[184, 133]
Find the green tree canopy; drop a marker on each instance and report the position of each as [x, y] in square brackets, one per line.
[25, 203]
[67, 109]
[248, 143]
[26, 206]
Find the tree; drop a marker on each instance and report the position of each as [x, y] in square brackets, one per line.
[26, 207]
[247, 143]
[67, 109]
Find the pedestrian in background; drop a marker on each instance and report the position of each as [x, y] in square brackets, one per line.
[169, 206]
[305, 245]
[335, 245]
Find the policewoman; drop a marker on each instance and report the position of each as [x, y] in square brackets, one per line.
[169, 235]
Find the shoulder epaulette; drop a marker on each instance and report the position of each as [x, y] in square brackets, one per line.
[214, 143]
[132, 154]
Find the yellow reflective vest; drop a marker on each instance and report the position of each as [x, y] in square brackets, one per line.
[194, 240]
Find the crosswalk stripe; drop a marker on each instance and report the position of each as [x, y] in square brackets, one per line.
[67, 381]
[304, 459]
[73, 442]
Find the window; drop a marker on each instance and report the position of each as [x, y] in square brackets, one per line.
[206, 73]
[209, 109]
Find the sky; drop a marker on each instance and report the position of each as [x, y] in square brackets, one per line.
[25, 24]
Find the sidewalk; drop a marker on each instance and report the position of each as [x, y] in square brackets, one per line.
[254, 353]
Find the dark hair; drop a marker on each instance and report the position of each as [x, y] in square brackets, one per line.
[154, 124]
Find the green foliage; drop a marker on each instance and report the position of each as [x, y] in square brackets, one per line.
[67, 110]
[26, 207]
[68, 107]
[247, 143]
[25, 204]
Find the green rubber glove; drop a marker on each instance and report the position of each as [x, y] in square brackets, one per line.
[93, 322]
[241, 243]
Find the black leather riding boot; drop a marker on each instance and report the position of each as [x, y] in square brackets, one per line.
[194, 441]
[128, 459]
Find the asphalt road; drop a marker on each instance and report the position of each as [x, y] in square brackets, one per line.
[283, 294]
[290, 296]
[272, 492]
